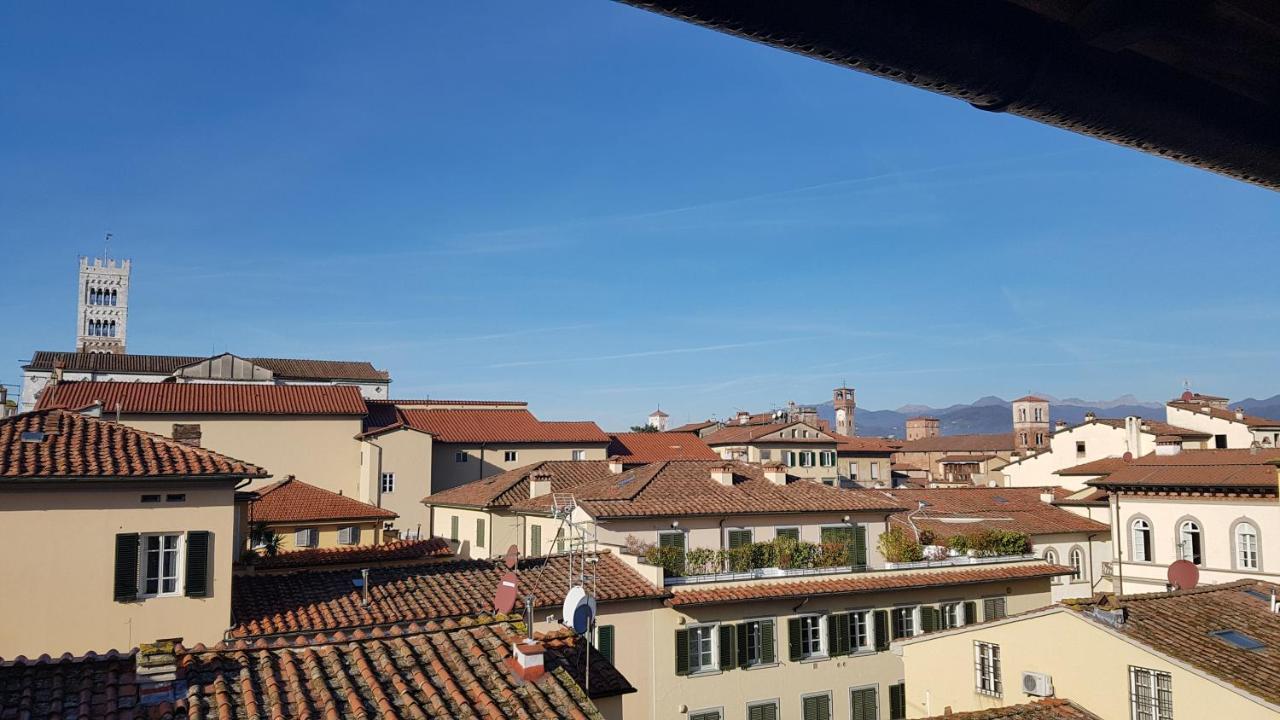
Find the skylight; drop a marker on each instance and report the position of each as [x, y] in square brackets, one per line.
[1238, 639]
[32, 436]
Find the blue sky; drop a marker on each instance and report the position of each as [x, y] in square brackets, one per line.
[598, 210]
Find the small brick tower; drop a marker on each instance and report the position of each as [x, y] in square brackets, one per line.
[845, 406]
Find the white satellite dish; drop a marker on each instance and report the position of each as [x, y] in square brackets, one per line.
[579, 610]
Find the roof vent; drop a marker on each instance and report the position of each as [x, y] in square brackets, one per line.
[539, 483]
[1239, 414]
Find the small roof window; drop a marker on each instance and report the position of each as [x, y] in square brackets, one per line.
[1238, 639]
[33, 436]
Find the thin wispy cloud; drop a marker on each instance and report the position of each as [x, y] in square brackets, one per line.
[648, 353]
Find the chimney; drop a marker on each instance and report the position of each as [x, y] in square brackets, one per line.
[526, 659]
[1090, 416]
[776, 473]
[58, 366]
[615, 465]
[1046, 496]
[1239, 414]
[743, 417]
[1133, 435]
[1204, 409]
[187, 434]
[1060, 426]
[722, 474]
[539, 483]
[156, 669]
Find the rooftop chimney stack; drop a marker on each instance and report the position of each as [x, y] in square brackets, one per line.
[615, 465]
[156, 670]
[776, 473]
[743, 417]
[1090, 416]
[187, 434]
[526, 659]
[722, 474]
[1060, 426]
[539, 483]
[1239, 413]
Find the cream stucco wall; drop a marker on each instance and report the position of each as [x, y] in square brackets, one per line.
[1238, 434]
[320, 450]
[775, 451]
[1095, 549]
[502, 530]
[483, 462]
[327, 534]
[1088, 664]
[407, 454]
[858, 469]
[58, 592]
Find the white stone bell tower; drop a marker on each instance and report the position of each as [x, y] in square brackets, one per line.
[102, 313]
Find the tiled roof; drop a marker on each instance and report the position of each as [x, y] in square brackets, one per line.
[292, 500]
[1102, 466]
[846, 443]
[647, 447]
[315, 601]
[63, 444]
[1155, 427]
[1046, 709]
[1197, 469]
[1031, 398]
[685, 488]
[739, 434]
[960, 443]
[466, 425]
[499, 491]
[965, 458]
[1088, 496]
[284, 368]
[693, 427]
[1180, 623]
[439, 670]
[960, 511]
[1222, 414]
[380, 415]
[138, 398]
[463, 403]
[864, 583]
[364, 555]
[570, 652]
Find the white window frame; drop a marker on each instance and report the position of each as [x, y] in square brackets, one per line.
[1051, 557]
[349, 535]
[912, 613]
[864, 618]
[952, 614]
[387, 482]
[820, 621]
[510, 456]
[775, 702]
[986, 669]
[807, 458]
[311, 534]
[789, 458]
[1147, 535]
[180, 553]
[461, 456]
[1151, 709]
[827, 694]
[875, 471]
[1247, 558]
[578, 455]
[759, 661]
[703, 712]
[1075, 559]
[1188, 528]
[713, 642]
[875, 687]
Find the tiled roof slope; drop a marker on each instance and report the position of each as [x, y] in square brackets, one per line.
[70, 445]
[1155, 427]
[569, 651]
[1047, 709]
[500, 491]
[693, 427]
[736, 434]
[960, 443]
[440, 670]
[1179, 624]
[465, 425]
[292, 500]
[317, 601]
[647, 447]
[1101, 466]
[397, 551]
[685, 488]
[1197, 469]
[960, 511]
[150, 398]
[1221, 414]
[846, 443]
[285, 368]
[864, 583]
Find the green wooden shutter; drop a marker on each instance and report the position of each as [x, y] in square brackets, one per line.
[860, 546]
[479, 532]
[560, 540]
[970, 612]
[897, 702]
[764, 711]
[197, 580]
[882, 629]
[817, 707]
[744, 656]
[993, 609]
[770, 711]
[838, 634]
[708, 715]
[767, 655]
[682, 652]
[604, 641]
[126, 586]
[728, 658]
[738, 538]
[535, 540]
[793, 533]
[865, 704]
[671, 539]
[453, 528]
[793, 638]
[928, 619]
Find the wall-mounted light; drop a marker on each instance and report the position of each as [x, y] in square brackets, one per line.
[675, 523]
[846, 518]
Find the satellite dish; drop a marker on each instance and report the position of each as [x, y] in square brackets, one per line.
[1127, 457]
[505, 597]
[1183, 575]
[512, 557]
[579, 610]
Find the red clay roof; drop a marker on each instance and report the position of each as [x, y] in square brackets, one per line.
[1180, 624]
[286, 368]
[500, 491]
[741, 434]
[1221, 414]
[153, 398]
[464, 403]
[963, 511]
[861, 583]
[1197, 469]
[647, 447]
[1046, 709]
[960, 443]
[1031, 398]
[292, 501]
[848, 444]
[1155, 427]
[67, 445]
[437, 670]
[685, 488]
[465, 425]
[317, 600]
[1101, 466]
[693, 427]
[364, 555]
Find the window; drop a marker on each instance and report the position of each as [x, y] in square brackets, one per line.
[859, 631]
[159, 572]
[1051, 557]
[898, 702]
[904, 622]
[150, 498]
[1039, 438]
[461, 456]
[480, 532]
[993, 608]
[853, 471]
[306, 537]
[1039, 414]
[828, 458]
[756, 643]
[175, 497]
[816, 707]
[702, 648]
[453, 528]
[986, 665]
[706, 715]
[952, 615]
[511, 456]
[863, 704]
[579, 455]
[767, 710]
[738, 538]
[604, 641]
[1150, 694]
[671, 538]
[388, 483]
[1220, 442]
[806, 637]
[349, 535]
[1189, 546]
[806, 458]
[1077, 564]
[1080, 451]
[1246, 546]
[766, 454]
[789, 458]
[875, 471]
[1141, 540]
[789, 532]
[535, 539]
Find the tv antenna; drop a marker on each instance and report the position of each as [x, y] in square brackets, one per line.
[106, 247]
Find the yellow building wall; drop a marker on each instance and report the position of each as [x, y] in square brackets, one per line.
[447, 472]
[858, 469]
[407, 454]
[57, 594]
[1089, 665]
[370, 534]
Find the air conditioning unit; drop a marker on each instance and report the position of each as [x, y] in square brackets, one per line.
[1038, 684]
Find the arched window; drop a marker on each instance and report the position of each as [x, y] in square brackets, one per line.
[113, 328]
[1246, 546]
[1051, 557]
[1189, 544]
[1077, 564]
[114, 296]
[1141, 540]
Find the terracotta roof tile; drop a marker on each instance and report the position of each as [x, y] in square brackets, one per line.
[62, 444]
[959, 511]
[468, 425]
[1222, 414]
[316, 601]
[1047, 709]
[1101, 466]
[206, 398]
[570, 651]
[846, 443]
[864, 583]
[1031, 398]
[500, 491]
[738, 434]
[960, 443]
[647, 447]
[1155, 427]
[285, 368]
[292, 500]
[1197, 469]
[693, 427]
[364, 555]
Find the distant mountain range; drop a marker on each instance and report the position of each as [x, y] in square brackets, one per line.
[991, 414]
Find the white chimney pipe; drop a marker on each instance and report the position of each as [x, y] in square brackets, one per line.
[722, 474]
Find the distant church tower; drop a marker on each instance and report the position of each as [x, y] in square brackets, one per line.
[1031, 423]
[103, 310]
[845, 407]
